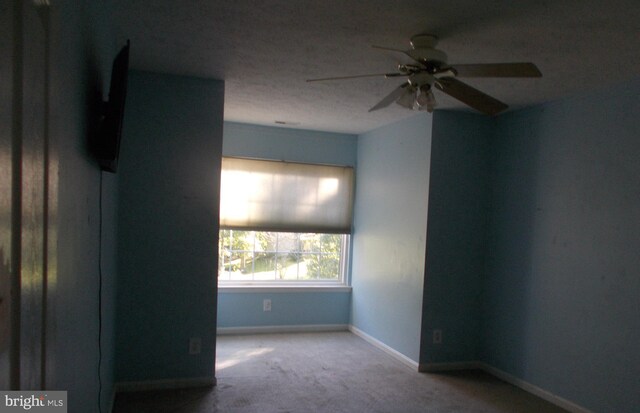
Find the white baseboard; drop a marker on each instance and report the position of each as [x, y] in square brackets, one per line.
[309, 328]
[509, 378]
[390, 351]
[436, 367]
[131, 386]
[535, 390]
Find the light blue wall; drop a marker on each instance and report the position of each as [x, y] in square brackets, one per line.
[459, 195]
[389, 233]
[169, 178]
[296, 145]
[287, 309]
[82, 49]
[562, 306]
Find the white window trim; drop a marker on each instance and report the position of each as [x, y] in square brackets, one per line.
[230, 287]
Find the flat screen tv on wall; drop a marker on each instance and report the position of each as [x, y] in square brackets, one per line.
[107, 144]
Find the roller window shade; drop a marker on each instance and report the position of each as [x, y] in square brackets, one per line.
[285, 196]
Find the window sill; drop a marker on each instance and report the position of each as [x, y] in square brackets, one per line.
[288, 288]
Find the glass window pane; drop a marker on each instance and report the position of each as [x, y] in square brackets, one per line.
[266, 241]
[287, 241]
[279, 256]
[264, 266]
[329, 266]
[330, 243]
[310, 242]
[238, 265]
[287, 267]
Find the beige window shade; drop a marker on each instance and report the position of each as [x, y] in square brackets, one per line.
[285, 196]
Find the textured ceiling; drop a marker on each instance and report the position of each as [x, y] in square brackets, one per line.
[264, 50]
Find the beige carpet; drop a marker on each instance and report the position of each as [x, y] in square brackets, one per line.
[330, 372]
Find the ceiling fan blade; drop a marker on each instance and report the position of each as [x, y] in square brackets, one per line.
[472, 97]
[390, 49]
[357, 76]
[498, 70]
[391, 97]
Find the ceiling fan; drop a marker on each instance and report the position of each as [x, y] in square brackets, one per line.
[430, 70]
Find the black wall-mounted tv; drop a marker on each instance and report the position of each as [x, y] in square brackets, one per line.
[107, 143]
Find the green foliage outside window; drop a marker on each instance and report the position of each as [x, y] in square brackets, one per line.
[326, 264]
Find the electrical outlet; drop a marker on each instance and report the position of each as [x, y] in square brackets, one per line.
[437, 336]
[266, 304]
[195, 345]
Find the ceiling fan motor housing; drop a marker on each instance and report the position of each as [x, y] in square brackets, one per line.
[423, 49]
[425, 40]
[428, 57]
[421, 79]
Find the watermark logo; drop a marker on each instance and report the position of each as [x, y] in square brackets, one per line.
[33, 401]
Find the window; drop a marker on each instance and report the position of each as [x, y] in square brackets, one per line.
[259, 256]
[284, 222]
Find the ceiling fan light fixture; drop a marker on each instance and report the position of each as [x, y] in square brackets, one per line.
[425, 99]
[431, 56]
[408, 98]
[428, 108]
